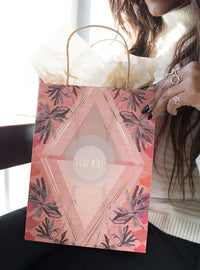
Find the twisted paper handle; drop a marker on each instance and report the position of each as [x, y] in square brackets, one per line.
[98, 26]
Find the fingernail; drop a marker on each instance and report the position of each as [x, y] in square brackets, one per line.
[150, 116]
[151, 86]
[145, 109]
[145, 87]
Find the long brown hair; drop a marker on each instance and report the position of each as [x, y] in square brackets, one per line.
[134, 18]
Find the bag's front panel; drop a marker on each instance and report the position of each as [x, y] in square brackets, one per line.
[91, 168]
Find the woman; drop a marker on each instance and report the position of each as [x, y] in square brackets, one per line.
[174, 239]
[175, 199]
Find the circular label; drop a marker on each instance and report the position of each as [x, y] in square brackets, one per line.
[89, 160]
[89, 163]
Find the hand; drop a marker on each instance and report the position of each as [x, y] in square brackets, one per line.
[180, 88]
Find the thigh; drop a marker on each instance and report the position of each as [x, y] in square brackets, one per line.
[171, 253]
[15, 252]
[164, 252]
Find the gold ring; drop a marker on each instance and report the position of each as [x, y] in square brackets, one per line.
[175, 79]
[177, 101]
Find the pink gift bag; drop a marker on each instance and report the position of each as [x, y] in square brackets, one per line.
[91, 168]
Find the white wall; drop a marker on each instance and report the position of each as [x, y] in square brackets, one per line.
[25, 25]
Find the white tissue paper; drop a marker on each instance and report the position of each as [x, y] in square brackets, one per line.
[88, 68]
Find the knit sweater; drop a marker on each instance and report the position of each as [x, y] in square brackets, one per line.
[177, 217]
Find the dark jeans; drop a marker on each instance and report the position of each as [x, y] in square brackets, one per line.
[164, 252]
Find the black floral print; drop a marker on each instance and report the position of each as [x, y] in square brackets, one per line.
[39, 196]
[134, 98]
[125, 238]
[117, 92]
[47, 231]
[106, 244]
[58, 92]
[74, 89]
[44, 125]
[143, 131]
[138, 207]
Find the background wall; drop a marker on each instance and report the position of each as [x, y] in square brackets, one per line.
[25, 25]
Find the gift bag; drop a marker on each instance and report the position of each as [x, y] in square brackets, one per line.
[91, 166]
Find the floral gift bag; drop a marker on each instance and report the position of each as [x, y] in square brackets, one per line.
[91, 167]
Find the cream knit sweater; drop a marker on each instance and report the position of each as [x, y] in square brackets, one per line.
[178, 218]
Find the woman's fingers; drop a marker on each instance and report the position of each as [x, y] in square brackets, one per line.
[160, 102]
[179, 88]
[173, 104]
[163, 89]
[163, 101]
[186, 98]
[159, 88]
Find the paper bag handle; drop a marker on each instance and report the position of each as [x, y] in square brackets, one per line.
[98, 26]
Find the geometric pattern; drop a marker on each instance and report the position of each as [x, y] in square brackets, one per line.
[90, 184]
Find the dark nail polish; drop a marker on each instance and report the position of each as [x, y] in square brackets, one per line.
[145, 87]
[145, 109]
[150, 116]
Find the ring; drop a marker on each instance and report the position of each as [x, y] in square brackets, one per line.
[177, 101]
[175, 79]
